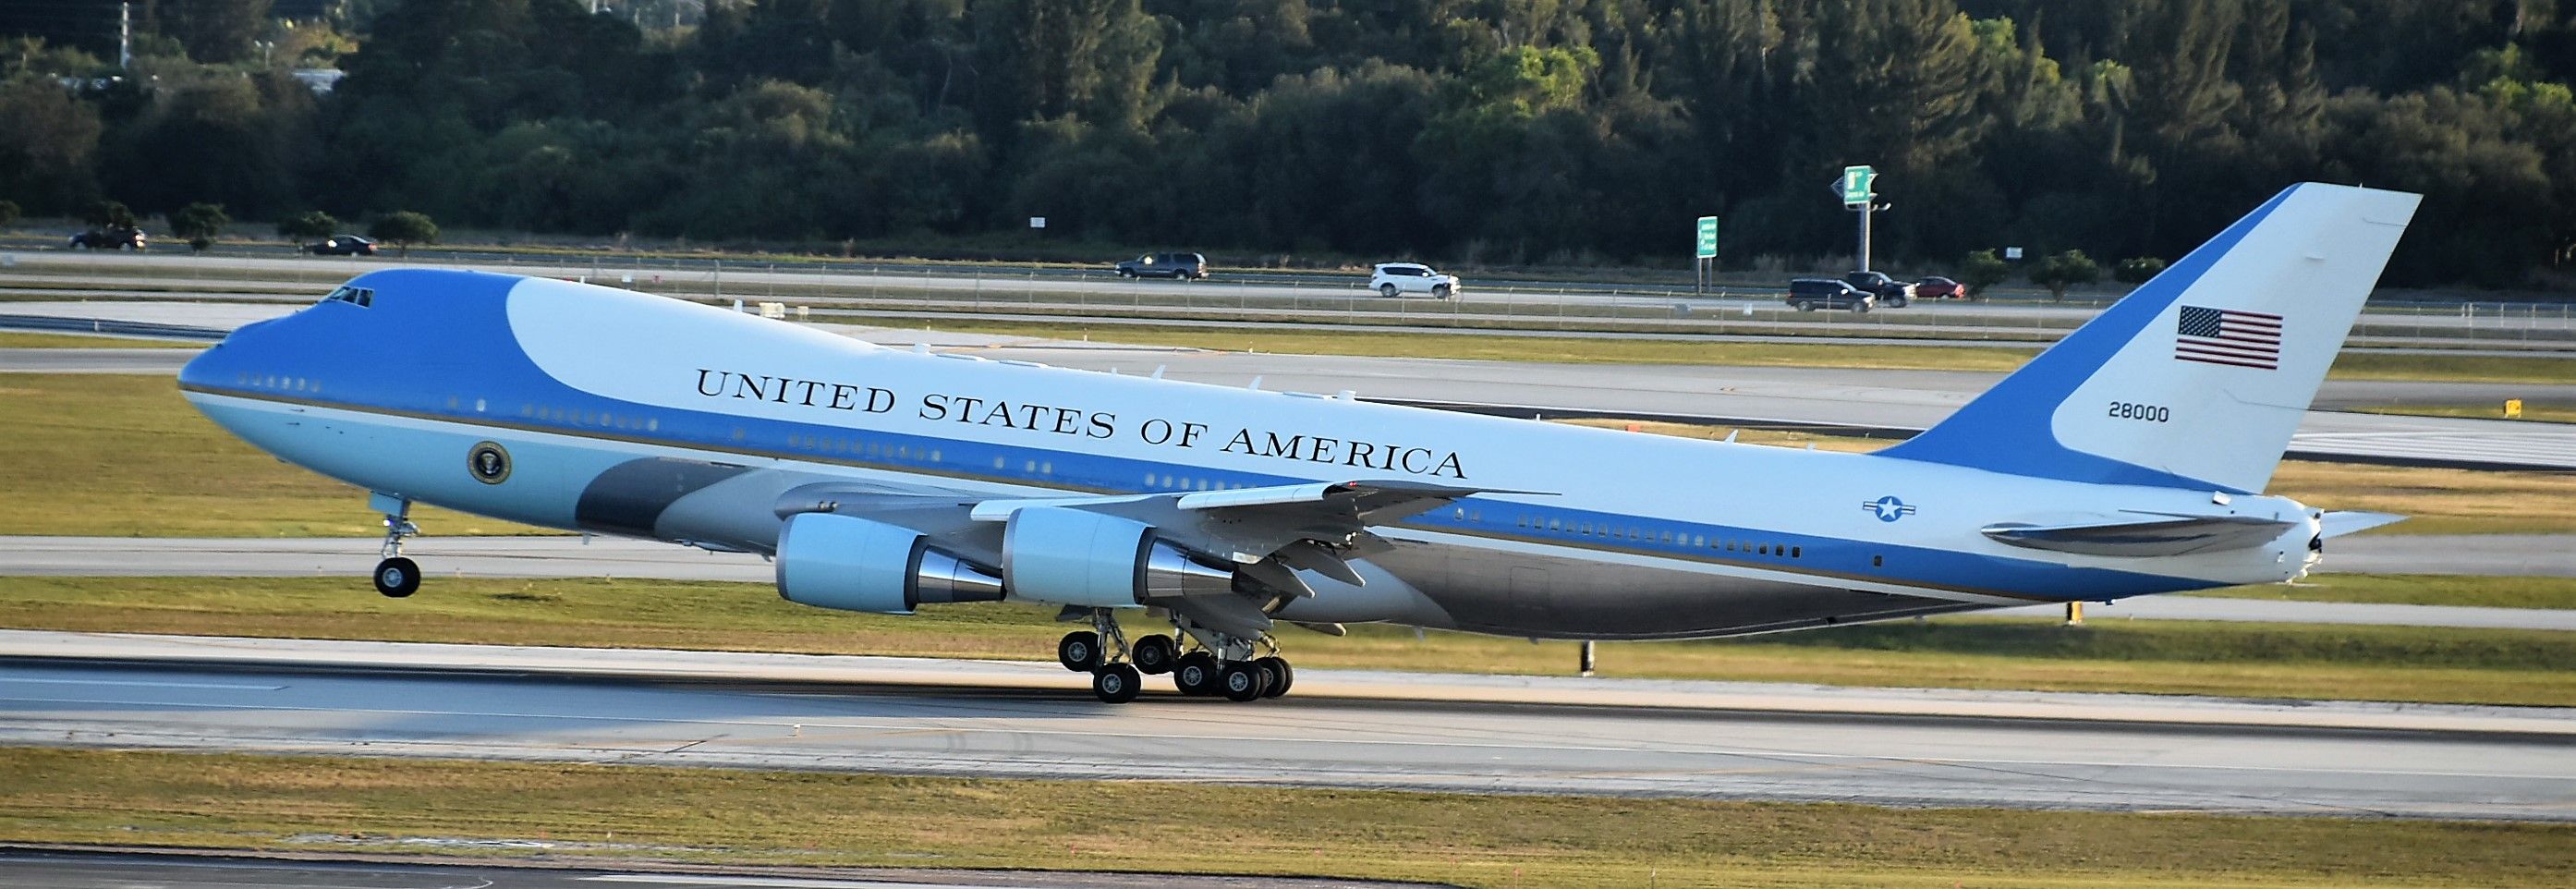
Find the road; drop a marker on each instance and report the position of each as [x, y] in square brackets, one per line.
[1431, 733]
[566, 557]
[985, 288]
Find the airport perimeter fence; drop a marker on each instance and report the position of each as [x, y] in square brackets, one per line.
[1028, 294]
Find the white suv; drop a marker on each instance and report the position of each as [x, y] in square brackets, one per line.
[1404, 277]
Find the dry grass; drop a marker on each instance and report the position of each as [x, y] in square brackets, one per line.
[2532, 412]
[628, 812]
[2416, 589]
[123, 455]
[1823, 352]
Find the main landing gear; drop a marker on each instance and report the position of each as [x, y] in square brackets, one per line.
[396, 577]
[1219, 666]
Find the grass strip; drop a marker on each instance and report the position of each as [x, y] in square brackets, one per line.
[1824, 352]
[121, 455]
[2531, 412]
[230, 801]
[16, 340]
[2415, 589]
[2526, 667]
[92, 454]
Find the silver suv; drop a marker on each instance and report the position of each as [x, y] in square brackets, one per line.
[1394, 278]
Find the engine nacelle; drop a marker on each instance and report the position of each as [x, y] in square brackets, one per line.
[854, 564]
[1078, 557]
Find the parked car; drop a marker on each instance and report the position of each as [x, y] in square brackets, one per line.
[1810, 294]
[1937, 287]
[1891, 293]
[116, 237]
[342, 245]
[1177, 266]
[1392, 278]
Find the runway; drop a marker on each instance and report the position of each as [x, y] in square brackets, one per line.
[1359, 730]
[572, 556]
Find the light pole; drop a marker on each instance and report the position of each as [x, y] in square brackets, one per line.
[1858, 189]
[1866, 211]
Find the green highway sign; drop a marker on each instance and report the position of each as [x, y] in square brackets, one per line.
[1857, 183]
[1707, 237]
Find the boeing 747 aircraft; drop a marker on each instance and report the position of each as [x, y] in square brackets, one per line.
[2128, 459]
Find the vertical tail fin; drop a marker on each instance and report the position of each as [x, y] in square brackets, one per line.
[2198, 378]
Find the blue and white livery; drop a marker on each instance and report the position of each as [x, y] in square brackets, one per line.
[2125, 460]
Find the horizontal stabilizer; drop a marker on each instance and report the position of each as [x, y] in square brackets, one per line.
[2337, 524]
[2159, 536]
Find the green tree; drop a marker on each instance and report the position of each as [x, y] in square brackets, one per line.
[402, 228]
[48, 144]
[308, 224]
[108, 214]
[2137, 269]
[8, 213]
[1982, 269]
[2063, 270]
[215, 31]
[199, 224]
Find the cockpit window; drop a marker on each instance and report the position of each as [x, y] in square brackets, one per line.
[361, 296]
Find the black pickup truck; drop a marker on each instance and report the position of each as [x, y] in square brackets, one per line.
[1891, 293]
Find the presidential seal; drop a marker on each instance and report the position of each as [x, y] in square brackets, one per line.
[489, 463]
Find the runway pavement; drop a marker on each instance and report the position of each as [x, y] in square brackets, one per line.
[571, 556]
[1528, 735]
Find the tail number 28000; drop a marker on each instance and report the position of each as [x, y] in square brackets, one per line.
[2151, 413]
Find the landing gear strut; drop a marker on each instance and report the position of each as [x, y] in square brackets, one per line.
[396, 577]
[1217, 664]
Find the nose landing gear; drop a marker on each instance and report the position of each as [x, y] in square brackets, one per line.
[396, 577]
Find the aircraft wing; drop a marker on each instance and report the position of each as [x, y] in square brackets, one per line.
[1264, 535]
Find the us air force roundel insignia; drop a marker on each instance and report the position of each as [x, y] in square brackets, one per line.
[489, 463]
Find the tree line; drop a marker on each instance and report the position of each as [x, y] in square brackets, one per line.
[1476, 131]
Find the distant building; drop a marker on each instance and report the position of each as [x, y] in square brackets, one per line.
[320, 80]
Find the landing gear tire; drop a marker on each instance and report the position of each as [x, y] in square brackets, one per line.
[1116, 683]
[1241, 681]
[1079, 651]
[397, 577]
[1195, 674]
[1154, 654]
[1276, 676]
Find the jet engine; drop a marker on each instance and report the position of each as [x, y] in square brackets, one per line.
[1078, 557]
[854, 564]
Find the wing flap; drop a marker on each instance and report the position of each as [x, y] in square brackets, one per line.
[2158, 536]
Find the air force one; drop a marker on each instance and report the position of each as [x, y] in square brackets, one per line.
[2127, 459]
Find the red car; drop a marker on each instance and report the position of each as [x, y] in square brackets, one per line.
[1937, 287]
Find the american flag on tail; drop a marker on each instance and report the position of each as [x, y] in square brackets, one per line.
[2228, 336]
